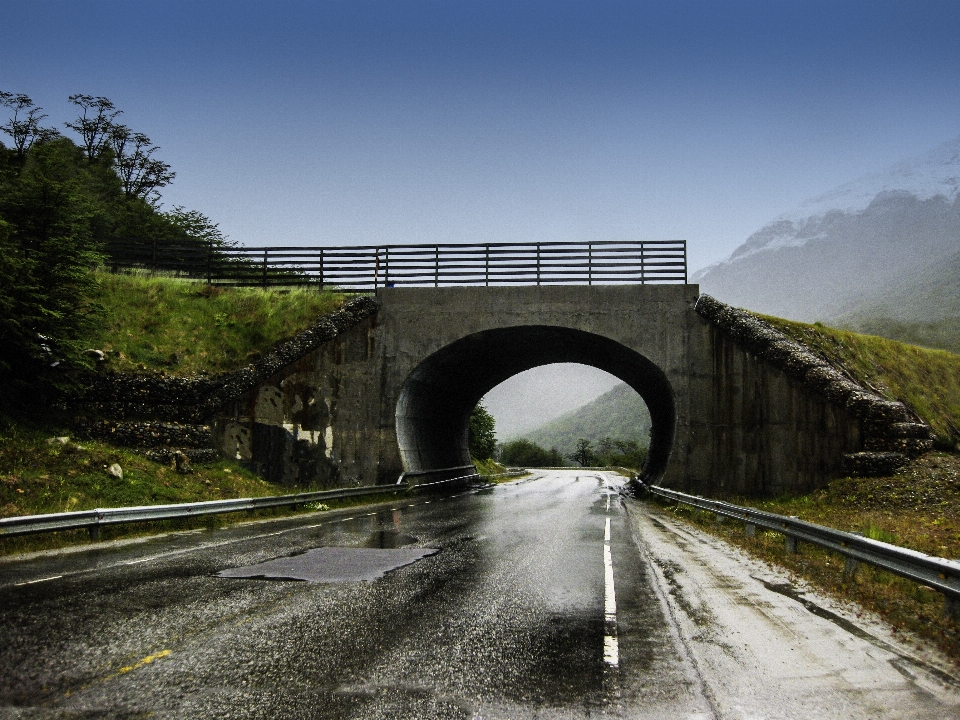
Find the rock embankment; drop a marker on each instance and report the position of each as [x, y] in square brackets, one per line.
[167, 417]
[892, 433]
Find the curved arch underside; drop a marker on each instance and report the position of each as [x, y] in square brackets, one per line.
[436, 400]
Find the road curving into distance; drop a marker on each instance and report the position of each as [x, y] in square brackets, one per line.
[542, 598]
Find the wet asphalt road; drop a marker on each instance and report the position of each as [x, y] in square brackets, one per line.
[539, 602]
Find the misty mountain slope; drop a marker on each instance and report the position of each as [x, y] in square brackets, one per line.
[620, 414]
[922, 309]
[848, 247]
[929, 293]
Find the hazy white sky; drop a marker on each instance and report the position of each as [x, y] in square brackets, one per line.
[528, 400]
[386, 121]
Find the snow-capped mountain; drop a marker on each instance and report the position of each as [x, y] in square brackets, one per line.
[845, 247]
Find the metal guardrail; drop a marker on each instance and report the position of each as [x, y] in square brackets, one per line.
[938, 573]
[422, 478]
[366, 268]
[93, 520]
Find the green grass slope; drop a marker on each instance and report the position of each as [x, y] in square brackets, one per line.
[183, 328]
[927, 381]
[619, 414]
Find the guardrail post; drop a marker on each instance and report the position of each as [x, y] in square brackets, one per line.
[265, 253]
[486, 267]
[376, 268]
[719, 518]
[538, 263]
[589, 263]
[850, 568]
[386, 267]
[951, 607]
[851, 565]
[791, 544]
[749, 529]
[94, 531]
[436, 266]
[321, 268]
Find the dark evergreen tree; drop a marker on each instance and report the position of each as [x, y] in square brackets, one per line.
[524, 453]
[49, 213]
[482, 436]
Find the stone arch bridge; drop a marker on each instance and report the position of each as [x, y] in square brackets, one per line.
[736, 407]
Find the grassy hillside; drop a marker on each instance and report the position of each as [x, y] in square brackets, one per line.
[620, 414]
[161, 325]
[941, 334]
[43, 475]
[927, 381]
[180, 327]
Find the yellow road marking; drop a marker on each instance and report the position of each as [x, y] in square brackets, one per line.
[146, 661]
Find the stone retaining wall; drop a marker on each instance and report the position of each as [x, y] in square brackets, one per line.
[195, 399]
[891, 432]
[168, 417]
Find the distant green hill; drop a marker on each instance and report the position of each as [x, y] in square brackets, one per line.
[619, 414]
[922, 309]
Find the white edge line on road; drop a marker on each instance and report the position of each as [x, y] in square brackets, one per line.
[33, 582]
[611, 646]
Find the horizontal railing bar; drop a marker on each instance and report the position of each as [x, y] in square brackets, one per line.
[54, 522]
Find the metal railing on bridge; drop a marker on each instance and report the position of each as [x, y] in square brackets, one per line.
[366, 268]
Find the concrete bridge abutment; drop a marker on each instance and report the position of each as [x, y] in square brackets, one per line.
[394, 393]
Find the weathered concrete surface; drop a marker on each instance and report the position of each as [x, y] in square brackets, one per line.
[394, 393]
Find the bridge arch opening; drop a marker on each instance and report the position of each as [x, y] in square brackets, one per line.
[434, 405]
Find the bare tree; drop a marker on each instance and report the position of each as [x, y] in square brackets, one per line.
[584, 453]
[95, 124]
[24, 126]
[140, 173]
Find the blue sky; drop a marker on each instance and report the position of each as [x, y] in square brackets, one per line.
[392, 121]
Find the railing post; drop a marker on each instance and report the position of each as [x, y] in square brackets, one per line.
[589, 263]
[684, 262]
[436, 266]
[265, 252]
[386, 267]
[376, 268]
[321, 268]
[486, 267]
[643, 264]
[538, 263]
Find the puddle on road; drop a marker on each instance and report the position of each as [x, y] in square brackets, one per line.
[389, 539]
[332, 564]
